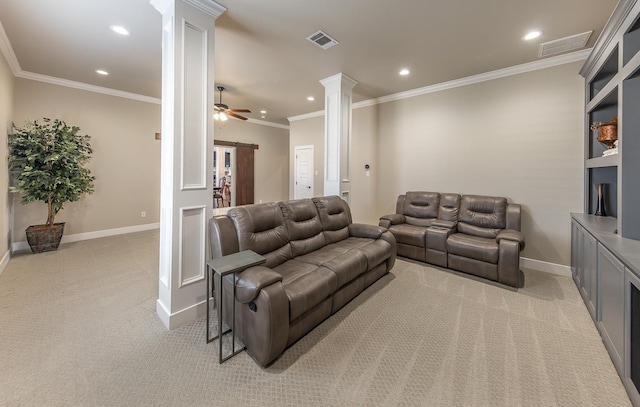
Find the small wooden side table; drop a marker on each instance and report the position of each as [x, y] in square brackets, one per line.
[222, 266]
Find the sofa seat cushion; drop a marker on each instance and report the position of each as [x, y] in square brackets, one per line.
[473, 247]
[346, 263]
[306, 285]
[376, 251]
[409, 234]
[323, 255]
[348, 266]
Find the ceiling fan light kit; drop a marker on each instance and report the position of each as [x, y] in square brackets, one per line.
[222, 111]
[220, 116]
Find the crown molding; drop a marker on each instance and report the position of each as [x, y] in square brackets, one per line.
[311, 115]
[161, 5]
[608, 34]
[339, 79]
[89, 88]
[210, 7]
[266, 123]
[7, 51]
[469, 80]
[483, 77]
[118, 93]
[12, 60]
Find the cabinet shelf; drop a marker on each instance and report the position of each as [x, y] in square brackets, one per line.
[631, 42]
[631, 68]
[602, 81]
[607, 97]
[599, 162]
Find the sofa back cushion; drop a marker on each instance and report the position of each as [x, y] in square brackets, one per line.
[262, 228]
[223, 239]
[449, 207]
[483, 216]
[421, 208]
[303, 226]
[335, 217]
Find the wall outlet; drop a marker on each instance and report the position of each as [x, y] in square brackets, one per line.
[143, 214]
[260, 201]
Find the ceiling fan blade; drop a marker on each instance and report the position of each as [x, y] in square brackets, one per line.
[240, 110]
[237, 116]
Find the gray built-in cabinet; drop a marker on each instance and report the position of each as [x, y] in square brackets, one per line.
[612, 74]
[584, 262]
[606, 270]
[605, 251]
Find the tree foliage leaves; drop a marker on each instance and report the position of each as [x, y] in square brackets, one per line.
[46, 163]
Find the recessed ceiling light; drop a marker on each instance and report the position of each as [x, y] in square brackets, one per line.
[119, 29]
[404, 72]
[311, 98]
[263, 111]
[102, 72]
[531, 35]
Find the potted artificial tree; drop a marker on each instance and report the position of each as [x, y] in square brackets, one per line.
[46, 163]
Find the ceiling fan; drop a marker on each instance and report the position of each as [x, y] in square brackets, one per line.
[222, 111]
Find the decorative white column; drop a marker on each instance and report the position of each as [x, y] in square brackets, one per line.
[188, 97]
[337, 135]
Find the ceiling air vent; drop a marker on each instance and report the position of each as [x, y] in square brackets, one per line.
[566, 44]
[322, 39]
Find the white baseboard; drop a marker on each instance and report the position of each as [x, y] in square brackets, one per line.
[5, 260]
[539, 265]
[184, 316]
[17, 246]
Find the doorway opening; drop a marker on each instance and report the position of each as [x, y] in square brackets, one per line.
[233, 177]
[223, 171]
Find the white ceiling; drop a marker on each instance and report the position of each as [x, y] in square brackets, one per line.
[264, 59]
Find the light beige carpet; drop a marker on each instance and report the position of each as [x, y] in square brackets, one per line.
[78, 328]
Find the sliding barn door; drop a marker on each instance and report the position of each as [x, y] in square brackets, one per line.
[244, 175]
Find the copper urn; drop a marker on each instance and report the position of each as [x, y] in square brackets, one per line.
[607, 132]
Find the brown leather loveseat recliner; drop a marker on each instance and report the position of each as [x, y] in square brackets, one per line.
[317, 260]
[476, 234]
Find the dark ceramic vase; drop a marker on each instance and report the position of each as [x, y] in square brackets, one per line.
[600, 210]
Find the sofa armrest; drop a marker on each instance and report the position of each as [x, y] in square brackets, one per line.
[443, 224]
[513, 216]
[513, 235]
[391, 219]
[263, 322]
[391, 239]
[367, 231]
[252, 280]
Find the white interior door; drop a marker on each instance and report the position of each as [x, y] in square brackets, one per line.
[303, 172]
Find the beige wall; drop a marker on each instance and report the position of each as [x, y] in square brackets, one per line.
[125, 162]
[309, 132]
[126, 159]
[364, 150]
[271, 160]
[6, 111]
[518, 136]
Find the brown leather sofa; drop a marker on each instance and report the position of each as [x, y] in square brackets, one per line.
[476, 234]
[317, 260]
